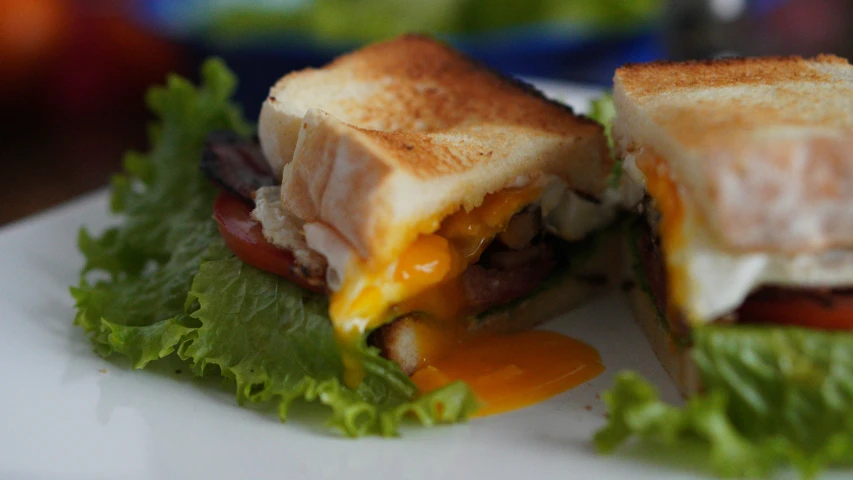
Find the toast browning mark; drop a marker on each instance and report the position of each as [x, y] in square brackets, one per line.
[441, 90]
[651, 79]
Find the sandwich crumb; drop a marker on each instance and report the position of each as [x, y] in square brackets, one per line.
[103, 370]
[588, 408]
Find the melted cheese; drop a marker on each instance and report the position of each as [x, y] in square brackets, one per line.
[707, 280]
[508, 372]
[414, 281]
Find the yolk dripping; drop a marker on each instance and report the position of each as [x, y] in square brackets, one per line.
[508, 372]
[426, 262]
[423, 278]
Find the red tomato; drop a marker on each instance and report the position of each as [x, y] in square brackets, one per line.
[832, 312]
[244, 237]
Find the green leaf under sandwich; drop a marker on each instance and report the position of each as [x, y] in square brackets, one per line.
[276, 341]
[771, 396]
[171, 286]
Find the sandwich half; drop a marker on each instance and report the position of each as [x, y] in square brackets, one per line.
[435, 192]
[742, 253]
[431, 199]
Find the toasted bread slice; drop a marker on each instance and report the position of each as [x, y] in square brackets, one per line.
[674, 357]
[412, 83]
[763, 147]
[380, 189]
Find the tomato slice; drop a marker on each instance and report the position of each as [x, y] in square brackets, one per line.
[832, 310]
[244, 237]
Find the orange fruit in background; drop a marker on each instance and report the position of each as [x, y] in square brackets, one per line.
[31, 33]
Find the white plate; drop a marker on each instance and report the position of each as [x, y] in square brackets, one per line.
[65, 413]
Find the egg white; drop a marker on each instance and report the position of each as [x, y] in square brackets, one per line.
[715, 280]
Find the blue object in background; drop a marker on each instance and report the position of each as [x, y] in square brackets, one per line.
[584, 60]
[559, 51]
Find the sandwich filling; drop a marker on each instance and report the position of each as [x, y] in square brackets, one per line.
[424, 278]
[472, 261]
[450, 284]
[705, 280]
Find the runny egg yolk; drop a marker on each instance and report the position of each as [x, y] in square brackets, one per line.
[426, 262]
[668, 200]
[508, 372]
[423, 278]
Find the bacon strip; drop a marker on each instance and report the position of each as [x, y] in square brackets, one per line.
[236, 165]
[516, 274]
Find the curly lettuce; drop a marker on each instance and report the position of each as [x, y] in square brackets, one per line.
[169, 288]
[771, 396]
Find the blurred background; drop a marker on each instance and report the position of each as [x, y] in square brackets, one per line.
[73, 72]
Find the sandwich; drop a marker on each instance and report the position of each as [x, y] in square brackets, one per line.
[741, 255]
[397, 206]
[422, 189]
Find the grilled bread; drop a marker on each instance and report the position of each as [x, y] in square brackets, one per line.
[415, 131]
[400, 184]
[378, 150]
[734, 133]
[412, 83]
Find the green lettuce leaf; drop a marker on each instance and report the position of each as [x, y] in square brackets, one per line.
[772, 396]
[275, 340]
[168, 287]
[603, 111]
[142, 316]
[153, 255]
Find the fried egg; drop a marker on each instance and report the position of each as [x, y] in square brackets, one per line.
[708, 280]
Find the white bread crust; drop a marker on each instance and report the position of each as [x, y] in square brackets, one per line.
[763, 147]
[674, 358]
[381, 189]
